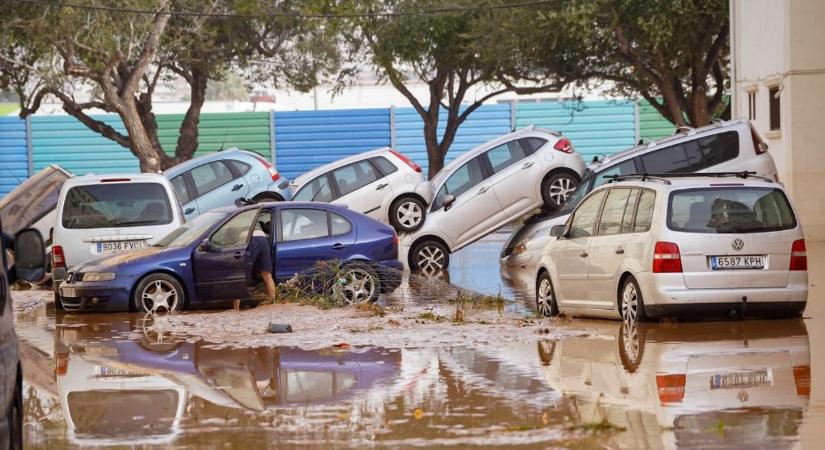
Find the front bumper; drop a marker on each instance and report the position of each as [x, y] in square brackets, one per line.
[96, 296]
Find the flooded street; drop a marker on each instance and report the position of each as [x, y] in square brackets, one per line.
[107, 380]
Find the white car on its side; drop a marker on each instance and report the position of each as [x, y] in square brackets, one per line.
[670, 245]
[379, 183]
[490, 186]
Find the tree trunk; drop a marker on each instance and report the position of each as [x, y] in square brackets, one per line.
[435, 159]
[188, 138]
[152, 159]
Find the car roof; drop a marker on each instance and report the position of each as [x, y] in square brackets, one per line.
[212, 156]
[338, 163]
[685, 134]
[116, 178]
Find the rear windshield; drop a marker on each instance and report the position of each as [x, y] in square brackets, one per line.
[730, 210]
[116, 205]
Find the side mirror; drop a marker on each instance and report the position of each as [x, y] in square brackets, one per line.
[29, 256]
[206, 246]
[449, 199]
[284, 184]
[557, 231]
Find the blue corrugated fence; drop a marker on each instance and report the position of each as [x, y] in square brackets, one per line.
[14, 167]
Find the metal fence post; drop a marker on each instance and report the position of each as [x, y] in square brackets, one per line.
[272, 137]
[393, 140]
[29, 150]
[513, 115]
[637, 122]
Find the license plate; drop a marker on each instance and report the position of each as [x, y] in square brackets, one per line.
[739, 380]
[67, 292]
[737, 262]
[119, 246]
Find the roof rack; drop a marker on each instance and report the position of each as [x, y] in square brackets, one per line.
[664, 176]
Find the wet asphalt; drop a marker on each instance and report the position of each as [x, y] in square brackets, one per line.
[98, 380]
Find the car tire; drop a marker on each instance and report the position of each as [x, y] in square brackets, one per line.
[356, 283]
[158, 292]
[556, 189]
[267, 197]
[58, 303]
[631, 303]
[631, 345]
[546, 303]
[14, 415]
[429, 257]
[407, 214]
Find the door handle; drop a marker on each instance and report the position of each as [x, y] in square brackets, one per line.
[338, 246]
[236, 187]
[237, 255]
[189, 210]
[381, 186]
[620, 251]
[482, 190]
[583, 254]
[527, 165]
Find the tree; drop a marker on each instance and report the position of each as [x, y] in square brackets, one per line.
[673, 53]
[438, 46]
[123, 52]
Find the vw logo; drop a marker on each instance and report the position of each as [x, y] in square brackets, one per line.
[738, 244]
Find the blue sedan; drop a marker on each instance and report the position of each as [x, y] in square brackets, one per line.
[209, 259]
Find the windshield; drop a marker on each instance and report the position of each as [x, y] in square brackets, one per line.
[116, 205]
[730, 210]
[191, 231]
[579, 194]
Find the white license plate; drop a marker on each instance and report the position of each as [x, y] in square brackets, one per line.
[67, 292]
[739, 380]
[737, 262]
[119, 246]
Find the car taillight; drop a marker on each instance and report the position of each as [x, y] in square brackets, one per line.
[671, 387]
[407, 161]
[799, 255]
[58, 258]
[61, 364]
[759, 146]
[563, 145]
[802, 379]
[666, 258]
[272, 172]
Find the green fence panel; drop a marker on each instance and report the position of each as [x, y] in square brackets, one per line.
[245, 130]
[651, 123]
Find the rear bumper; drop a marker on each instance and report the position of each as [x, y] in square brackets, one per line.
[741, 309]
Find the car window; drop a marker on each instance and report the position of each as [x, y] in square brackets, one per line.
[211, 176]
[623, 168]
[630, 211]
[644, 213]
[505, 155]
[241, 168]
[667, 160]
[339, 224]
[190, 231]
[354, 176]
[181, 189]
[235, 232]
[298, 224]
[613, 211]
[108, 205]
[384, 165]
[584, 219]
[317, 190]
[532, 144]
[462, 180]
[727, 210]
[712, 150]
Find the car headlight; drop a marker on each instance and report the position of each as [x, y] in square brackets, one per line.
[98, 276]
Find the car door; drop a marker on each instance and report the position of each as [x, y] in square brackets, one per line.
[569, 254]
[306, 236]
[361, 188]
[515, 174]
[475, 207]
[186, 195]
[608, 247]
[217, 185]
[220, 270]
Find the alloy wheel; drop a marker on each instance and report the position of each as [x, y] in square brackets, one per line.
[561, 189]
[430, 259]
[409, 214]
[544, 298]
[159, 295]
[630, 303]
[355, 286]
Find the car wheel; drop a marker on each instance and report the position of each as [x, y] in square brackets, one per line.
[631, 345]
[267, 197]
[632, 305]
[407, 214]
[546, 296]
[14, 415]
[429, 256]
[556, 188]
[356, 284]
[58, 303]
[158, 292]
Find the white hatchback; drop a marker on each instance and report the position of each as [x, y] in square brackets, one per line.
[379, 183]
[105, 214]
[651, 246]
[490, 186]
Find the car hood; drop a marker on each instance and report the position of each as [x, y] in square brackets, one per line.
[120, 262]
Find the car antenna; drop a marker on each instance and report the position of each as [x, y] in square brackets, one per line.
[224, 140]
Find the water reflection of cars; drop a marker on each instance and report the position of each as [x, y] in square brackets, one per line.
[209, 259]
[750, 378]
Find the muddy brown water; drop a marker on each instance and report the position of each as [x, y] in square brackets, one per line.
[95, 380]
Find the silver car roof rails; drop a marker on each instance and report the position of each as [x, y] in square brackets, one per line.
[664, 176]
[637, 176]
